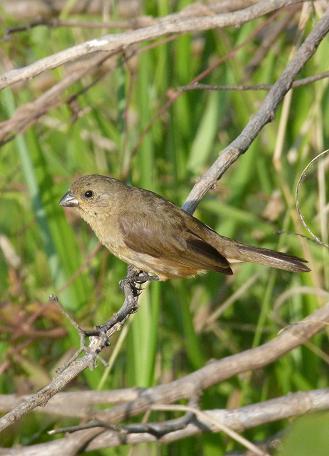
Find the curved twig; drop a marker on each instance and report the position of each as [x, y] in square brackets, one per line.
[301, 179]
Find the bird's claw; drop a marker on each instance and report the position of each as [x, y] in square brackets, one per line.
[99, 331]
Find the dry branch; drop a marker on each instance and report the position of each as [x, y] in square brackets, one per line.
[98, 339]
[212, 373]
[263, 116]
[31, 112]
[182, 22]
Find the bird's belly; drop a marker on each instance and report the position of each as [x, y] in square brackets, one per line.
[141, 261]
[161, 267]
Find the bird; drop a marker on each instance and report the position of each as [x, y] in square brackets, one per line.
[155, 236]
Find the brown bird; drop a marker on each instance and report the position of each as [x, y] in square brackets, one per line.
[152, 234]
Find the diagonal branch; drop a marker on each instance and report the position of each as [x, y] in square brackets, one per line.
[264, 115]
[29, 113]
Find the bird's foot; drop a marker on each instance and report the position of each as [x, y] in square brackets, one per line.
[135, 280]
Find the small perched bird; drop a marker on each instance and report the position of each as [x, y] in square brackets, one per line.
[152, 234]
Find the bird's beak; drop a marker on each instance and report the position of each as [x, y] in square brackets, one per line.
[69, 200]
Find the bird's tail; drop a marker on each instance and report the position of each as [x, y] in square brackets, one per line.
[272, 258]
[237, 252]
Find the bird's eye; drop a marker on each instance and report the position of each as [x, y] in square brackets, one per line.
[89, 194]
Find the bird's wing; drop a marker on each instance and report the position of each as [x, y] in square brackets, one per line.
[162, 232]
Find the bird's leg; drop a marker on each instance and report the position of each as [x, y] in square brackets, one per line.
[130, 286]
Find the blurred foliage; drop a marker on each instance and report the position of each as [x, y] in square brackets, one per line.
[308, 435]
[115, 128]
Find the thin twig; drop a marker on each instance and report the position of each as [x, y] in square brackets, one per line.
[138, 22]
[301, 179]
[214, 424]
[242, 87]
[220, 370]
[236, 419]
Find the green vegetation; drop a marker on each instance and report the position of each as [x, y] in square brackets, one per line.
[114, 128]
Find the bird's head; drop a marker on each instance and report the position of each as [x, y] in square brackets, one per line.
[91, 195]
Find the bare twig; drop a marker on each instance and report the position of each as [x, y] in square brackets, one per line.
[243, 87]
[215, 425]
[240, 419]
[175, 23]
[193, 414]
[57, 384]
[217, 371]
[31, 112]
[74, 403]
[135, 23]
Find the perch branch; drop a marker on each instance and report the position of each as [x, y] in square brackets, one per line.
[131, 292]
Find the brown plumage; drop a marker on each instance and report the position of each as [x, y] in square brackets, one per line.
[154, 235]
